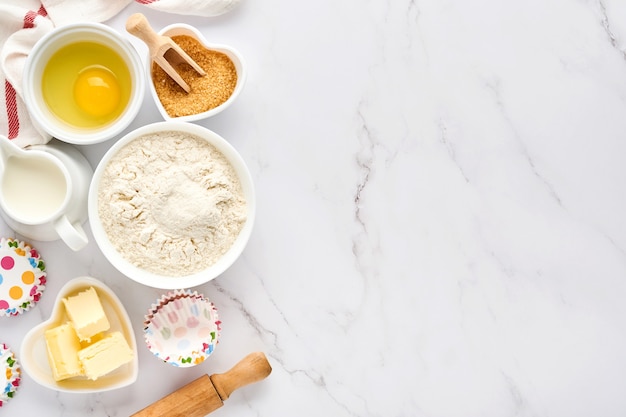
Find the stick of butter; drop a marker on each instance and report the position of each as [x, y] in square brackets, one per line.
[105, 355]
[86, 313]
[63, 345]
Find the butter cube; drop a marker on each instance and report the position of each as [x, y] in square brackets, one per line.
[63, 345]
[105, 355]
[86, 313]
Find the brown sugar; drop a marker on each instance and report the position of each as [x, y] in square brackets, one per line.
[206, 92]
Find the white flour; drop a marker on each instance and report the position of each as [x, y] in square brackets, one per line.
[171, 203]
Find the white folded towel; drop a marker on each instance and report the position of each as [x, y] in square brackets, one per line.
[24, 22]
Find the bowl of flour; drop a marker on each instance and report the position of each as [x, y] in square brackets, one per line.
[171, 205]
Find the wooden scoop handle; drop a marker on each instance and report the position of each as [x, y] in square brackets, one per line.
[164, 51]
[138, 25]
[250, 369]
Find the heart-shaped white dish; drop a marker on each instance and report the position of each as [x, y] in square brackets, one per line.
[234, 55]
[33, 354]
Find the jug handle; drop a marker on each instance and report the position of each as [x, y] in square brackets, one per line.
[72, 233]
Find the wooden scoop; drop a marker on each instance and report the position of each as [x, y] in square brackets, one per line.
[163, 50]
[208, 393]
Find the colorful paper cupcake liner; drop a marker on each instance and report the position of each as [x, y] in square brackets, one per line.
[182, 328]
[22, 277]
[10, 377]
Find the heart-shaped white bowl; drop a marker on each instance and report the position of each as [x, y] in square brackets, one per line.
[234, 55]
[33, 353]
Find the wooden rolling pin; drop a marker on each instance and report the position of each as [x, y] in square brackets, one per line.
[208, 393]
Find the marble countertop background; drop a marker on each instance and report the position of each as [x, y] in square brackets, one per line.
[441, 225]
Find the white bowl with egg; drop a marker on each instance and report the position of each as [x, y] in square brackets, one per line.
[171, 205]
[83, 83]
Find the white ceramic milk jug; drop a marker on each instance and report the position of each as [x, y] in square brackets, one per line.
[43, 191]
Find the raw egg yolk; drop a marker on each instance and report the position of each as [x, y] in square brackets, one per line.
[97, 92]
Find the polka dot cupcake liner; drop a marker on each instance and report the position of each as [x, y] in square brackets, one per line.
[10, 376]
[22, 277]
[182, 328]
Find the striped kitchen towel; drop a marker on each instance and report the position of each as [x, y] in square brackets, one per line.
[24, 22]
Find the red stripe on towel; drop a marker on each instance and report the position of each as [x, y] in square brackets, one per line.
[42, 11]
[29, 18]
[12, 116]
[10, 96]
[145, 1]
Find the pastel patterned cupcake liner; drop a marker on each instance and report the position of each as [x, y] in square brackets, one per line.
[10, 375]
[22, 277]
[182, 328]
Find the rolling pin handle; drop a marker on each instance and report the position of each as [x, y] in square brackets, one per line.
[250, 369]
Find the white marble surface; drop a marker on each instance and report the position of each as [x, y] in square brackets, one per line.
[441, 226]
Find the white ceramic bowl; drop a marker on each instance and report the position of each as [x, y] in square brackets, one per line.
[162, 281]
[33, 353]
[240, 67]
[41, 53]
